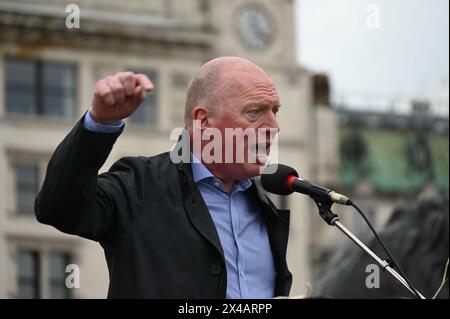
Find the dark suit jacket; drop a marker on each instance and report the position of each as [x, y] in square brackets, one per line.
[150, 218]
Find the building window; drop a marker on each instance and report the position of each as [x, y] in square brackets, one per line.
[26, 187]
[28, 273]
[40, 88]
[147, 113]
[58, 90]
[20, 79]
[33, 282]
[58, 262]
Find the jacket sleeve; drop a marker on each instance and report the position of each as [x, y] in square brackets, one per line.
[73, 198]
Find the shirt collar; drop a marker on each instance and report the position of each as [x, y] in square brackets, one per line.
[201, 173]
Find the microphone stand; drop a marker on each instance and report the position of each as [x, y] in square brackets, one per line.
[333, 220]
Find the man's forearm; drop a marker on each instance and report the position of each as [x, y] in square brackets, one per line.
[68, 194]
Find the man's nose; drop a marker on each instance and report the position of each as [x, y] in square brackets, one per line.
[272, 122]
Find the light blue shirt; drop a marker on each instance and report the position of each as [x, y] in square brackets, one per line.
[239, 224]
[243, 235]
[92, 125]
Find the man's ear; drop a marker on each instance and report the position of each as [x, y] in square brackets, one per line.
[201, 115]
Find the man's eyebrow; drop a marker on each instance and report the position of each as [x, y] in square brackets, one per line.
[263, 105]
[260, 106]
[277, 106]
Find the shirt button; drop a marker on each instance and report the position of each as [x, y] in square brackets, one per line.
[242, 274]
[216, 269]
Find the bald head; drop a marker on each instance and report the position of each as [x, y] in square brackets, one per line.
[217, 80]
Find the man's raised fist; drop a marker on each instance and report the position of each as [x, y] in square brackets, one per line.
[118, 96]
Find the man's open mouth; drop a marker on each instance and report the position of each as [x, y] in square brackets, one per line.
[259, 153]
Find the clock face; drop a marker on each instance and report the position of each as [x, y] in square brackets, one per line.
[255, 26]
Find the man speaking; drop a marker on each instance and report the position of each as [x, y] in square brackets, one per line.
[192, 229]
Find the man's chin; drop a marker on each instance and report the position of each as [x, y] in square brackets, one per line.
[243, 171]
[253, 169]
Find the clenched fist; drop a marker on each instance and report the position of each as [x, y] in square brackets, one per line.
[118, 96]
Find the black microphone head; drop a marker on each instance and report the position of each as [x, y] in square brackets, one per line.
[274, 178]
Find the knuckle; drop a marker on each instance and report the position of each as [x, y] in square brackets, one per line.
[115, 85]
[104, 93]
[122, 73]
[128, 75]
[99, 84]
[118, 90]
[99, 92]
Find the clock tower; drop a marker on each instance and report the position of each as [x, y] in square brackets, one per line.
[255, 26]
[263, 31]
[260, 30]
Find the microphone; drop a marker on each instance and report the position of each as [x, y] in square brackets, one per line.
[285, 180]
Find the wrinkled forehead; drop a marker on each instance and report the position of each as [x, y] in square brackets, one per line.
[251, 85]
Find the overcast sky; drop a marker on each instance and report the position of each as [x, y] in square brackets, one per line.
[388, 49]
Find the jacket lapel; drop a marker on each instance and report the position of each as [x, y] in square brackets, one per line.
[270, 208]
[277, 221]
[196, 208]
